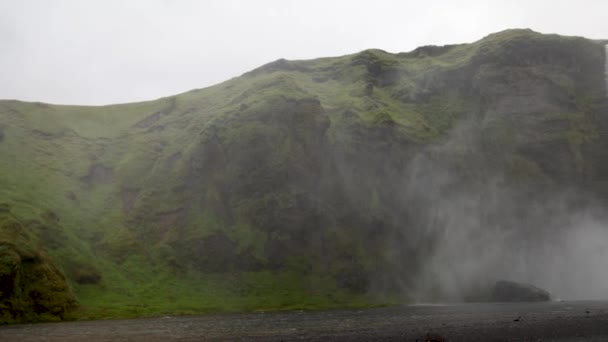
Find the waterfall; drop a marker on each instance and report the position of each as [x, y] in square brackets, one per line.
[606, 68]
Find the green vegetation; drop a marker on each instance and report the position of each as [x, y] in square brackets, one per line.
[277, 189]
[31, 287]
[198, 294]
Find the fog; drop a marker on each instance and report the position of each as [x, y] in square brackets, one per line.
[486, 227]
[101, 52]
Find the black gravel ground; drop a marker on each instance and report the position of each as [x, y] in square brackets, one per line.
[555, 321]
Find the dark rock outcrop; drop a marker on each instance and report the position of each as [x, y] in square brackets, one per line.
[32, 288]
[509, 291]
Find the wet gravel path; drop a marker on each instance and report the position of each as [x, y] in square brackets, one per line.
[557, 321]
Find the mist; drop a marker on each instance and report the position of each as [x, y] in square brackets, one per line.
[111, 51]
[484, 227]
[606, 68]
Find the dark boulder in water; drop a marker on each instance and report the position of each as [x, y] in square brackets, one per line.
[509, 291]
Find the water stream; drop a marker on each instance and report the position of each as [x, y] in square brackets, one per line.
[606, 68]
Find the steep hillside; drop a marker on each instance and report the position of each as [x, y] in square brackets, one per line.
[347, 181]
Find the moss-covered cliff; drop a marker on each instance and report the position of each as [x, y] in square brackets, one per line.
[298, 184]
[32, 288]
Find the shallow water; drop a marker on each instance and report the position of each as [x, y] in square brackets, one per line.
[553, 321]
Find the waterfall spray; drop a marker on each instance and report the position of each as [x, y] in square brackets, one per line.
[606, 68]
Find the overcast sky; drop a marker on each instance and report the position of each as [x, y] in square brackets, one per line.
[100, 52]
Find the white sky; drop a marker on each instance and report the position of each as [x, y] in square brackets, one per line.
[109, 51]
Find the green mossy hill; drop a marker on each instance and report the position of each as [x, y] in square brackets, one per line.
[32, 288]
[308, 183]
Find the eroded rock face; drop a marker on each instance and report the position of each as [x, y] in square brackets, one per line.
[98, 174]
[31, 287]
[509, 291]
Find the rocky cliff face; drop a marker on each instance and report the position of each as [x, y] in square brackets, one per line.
[419, 173]
[32, 288]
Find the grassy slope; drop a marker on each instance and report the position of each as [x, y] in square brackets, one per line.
[100, 168]
[65, 144]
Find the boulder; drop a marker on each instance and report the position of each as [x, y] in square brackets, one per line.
[509, 291]
[32, 286]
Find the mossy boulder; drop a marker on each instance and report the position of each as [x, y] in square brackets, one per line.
[32, 288]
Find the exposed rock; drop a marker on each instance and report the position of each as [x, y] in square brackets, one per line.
[71, 196]
[99, 174]
[32, 288]
[214, 254]
[128, 197]
[86, 276]
[153, 118]
[509, 291]
[149, 120]
[43, 134]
